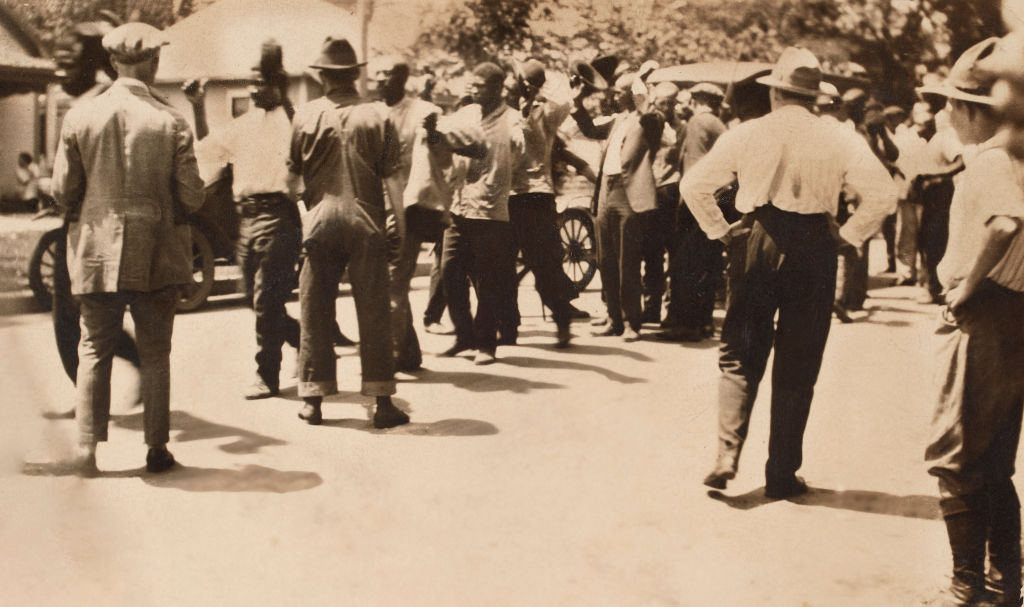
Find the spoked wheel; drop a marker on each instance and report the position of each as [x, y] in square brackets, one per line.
[579, 245]
[40, 268]
[202, 272]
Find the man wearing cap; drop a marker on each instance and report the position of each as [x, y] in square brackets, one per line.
[480, 242]
[979, 375]
[659, 233]
[345, 150]
[531, 206]
[787, 190]
[256, 145]
[698, 267]
[626, 189]
[426, 216]
[126, 175]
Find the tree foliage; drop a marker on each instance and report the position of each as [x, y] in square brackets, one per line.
[888, 37]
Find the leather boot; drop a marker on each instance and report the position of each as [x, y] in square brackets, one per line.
[1003, 581]
[967, 529]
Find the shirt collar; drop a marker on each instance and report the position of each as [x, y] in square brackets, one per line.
[131, 83]
[999, 140]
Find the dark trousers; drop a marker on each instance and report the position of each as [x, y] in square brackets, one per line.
[619, 241]
[695, 270]
[267, 250]
[789, 268]
[436, 302]
[482, 249]
[852, 277]
[975, 434]
[421, 225]
[340, 235]
[658, 238]
[935, 196]
[534, 220]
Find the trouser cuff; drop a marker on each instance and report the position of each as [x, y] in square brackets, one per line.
[378, 388]
[317, 388]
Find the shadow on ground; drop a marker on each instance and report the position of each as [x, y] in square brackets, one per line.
[443, 427]
[554, 363]
[247, 479]
[188, 427]
[924, 507]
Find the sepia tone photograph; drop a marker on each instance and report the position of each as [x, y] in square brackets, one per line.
[653, 303]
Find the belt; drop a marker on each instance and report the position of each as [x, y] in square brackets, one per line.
[255, 204]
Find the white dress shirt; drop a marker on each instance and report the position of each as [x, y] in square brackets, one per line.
[256, 145]
[796, 161]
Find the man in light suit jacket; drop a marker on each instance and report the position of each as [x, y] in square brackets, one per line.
[626, 188]
[126, 175]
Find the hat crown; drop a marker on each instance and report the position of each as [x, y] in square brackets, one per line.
[797, 70]
[337, 54]
[967, 76]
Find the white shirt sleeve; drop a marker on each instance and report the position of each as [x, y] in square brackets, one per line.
[866, 176]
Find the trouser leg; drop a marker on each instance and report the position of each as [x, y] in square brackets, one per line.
[368, 272]
[407, 346]
[609, 242]
[102, 315]
[889, 234]
[747, 336]
[435, 302]
[534, 220]
[630, 259]
[153, 314]
[907, 226]
[965, 517]
[494, 269]
[318, 292]
[455, 266]
[655, 236]
[271, 259]
[804, 318]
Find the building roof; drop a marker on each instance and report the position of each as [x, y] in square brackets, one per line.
[21, 56]
[223, 41]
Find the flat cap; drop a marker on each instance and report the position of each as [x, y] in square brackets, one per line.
[133, 42]
[708, 90]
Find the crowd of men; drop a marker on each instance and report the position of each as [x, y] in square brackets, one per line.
[789, 199]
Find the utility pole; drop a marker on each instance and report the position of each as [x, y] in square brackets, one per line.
[364, 10]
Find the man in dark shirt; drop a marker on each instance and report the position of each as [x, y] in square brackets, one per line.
[344, 149]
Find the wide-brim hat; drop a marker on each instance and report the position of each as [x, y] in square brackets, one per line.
[968, 80]
[336, 54]
[589, 74]
[797, 71]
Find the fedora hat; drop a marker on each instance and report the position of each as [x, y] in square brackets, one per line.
[968, 80]
[796, 71]
[530, 72]
[336, 54]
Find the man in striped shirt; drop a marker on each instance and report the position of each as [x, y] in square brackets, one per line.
[787, 190]
[980, 347]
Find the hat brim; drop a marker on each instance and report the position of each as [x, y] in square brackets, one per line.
[951, 92]
[331, 66]
[778, 84]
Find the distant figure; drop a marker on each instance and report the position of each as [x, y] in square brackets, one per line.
[126, 175]
[28, 180]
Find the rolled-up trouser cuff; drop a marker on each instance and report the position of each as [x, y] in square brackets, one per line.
[378, 388]
[317, 388]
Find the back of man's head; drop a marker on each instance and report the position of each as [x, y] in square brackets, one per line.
[489, 72]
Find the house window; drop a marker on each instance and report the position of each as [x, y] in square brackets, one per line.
[239, 105]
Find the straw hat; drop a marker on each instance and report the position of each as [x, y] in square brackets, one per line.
[967, 81]
[796, 71]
